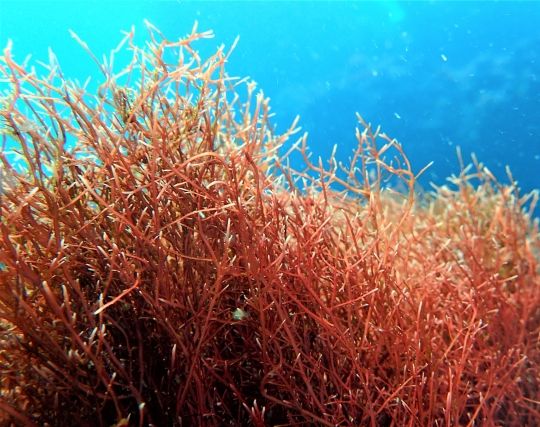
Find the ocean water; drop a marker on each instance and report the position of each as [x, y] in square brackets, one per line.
[435, 75]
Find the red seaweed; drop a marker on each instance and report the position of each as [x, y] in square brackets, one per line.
[162, 264]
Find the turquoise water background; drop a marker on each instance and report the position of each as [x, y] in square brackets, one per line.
[435, 75]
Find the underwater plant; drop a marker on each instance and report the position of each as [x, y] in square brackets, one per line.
[161, 264]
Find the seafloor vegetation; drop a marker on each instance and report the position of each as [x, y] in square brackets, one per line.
[163, 265]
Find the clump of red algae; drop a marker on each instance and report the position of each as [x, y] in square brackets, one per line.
[162, 265]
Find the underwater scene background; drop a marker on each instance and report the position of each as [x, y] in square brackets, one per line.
[435, 75]
[173, 253]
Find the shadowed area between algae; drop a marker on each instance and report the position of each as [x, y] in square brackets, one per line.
[162, 264]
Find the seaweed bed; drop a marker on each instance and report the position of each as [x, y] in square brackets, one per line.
[162, 264]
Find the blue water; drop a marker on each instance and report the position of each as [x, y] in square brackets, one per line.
[435, 75]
